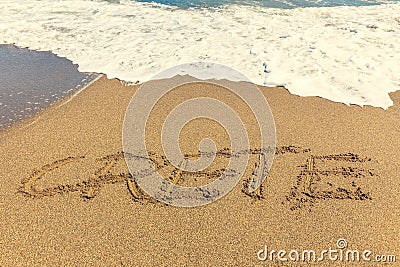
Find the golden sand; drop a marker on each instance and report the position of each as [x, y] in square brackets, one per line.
[67, 197]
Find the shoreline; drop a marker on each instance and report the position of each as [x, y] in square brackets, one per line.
[31, 119]
[32, 80]
[26, 122]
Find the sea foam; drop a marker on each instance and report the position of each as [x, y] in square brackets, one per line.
[345, 54]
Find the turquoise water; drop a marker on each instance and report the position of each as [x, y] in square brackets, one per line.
[268, 3]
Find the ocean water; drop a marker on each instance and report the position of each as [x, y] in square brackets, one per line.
[30, 81]
[345, 51]
[264, 3]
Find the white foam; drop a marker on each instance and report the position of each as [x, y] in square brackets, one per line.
[346, 54]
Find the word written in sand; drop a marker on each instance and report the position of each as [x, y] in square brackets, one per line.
[112, 170]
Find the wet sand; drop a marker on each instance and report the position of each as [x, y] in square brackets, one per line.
[30, 81]
[67, 198]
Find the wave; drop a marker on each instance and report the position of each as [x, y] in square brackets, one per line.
[263, 3]
[345, 54]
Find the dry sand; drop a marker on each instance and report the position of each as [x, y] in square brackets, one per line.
[66, 196]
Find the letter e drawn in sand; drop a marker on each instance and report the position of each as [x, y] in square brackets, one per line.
[331, 177]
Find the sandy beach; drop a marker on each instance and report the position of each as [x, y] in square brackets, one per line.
[67, 197]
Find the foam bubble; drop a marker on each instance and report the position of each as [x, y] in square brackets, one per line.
[345, 54]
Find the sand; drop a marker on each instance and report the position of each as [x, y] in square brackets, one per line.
[67, 197]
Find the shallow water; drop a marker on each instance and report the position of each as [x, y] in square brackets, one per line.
[30, 81]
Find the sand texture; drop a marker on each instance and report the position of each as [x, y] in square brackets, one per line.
[67, 197]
